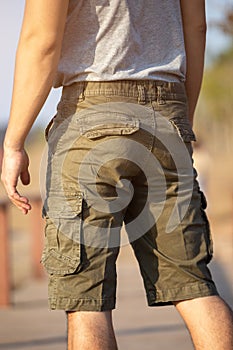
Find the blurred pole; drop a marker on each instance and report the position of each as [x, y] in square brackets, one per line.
[4, 257]
[37, 229]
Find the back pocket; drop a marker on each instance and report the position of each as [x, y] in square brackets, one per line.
[101, 124]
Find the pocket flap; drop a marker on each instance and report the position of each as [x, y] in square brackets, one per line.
[59, 264]
[63, 204]
[111, 130]
[102, 124]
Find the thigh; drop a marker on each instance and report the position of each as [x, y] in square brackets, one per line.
[167, 225]
[89, 169]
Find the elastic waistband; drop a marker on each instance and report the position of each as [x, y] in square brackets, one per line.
[143, 90]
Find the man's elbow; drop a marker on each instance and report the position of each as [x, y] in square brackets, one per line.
[196, 27]
[43, 42]
[197, 31]
[201, 27]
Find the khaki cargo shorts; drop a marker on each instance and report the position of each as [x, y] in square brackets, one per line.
[120, 154]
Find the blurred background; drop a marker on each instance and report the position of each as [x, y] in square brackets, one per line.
[21, 236]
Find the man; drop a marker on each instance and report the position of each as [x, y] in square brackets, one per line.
[122, 65]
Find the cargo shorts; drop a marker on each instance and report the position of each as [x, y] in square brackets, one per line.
[120, 155]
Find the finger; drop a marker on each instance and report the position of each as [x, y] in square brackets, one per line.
[21, 201]
[21, 205]
[16, 196]
[24, 211]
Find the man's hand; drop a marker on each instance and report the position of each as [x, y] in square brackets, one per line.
[15, 165]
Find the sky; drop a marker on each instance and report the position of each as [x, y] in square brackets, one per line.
[11, 12]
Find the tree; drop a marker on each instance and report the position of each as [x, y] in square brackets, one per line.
[214, 115]
[227, 25]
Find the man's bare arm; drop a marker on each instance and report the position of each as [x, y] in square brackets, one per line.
[37, 57]
[36, 61]
[194, 25]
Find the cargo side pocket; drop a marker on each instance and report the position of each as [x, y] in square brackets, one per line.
[63, 213]
[208, 237]
[183, 128]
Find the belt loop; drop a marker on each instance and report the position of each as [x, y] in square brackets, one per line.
[160, 95]
[141, 94]
[81, 95]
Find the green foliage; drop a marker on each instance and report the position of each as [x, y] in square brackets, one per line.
[217, 90]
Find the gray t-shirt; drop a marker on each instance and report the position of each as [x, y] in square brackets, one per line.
[122, 39]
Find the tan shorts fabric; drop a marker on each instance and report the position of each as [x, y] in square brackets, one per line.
[120, 153]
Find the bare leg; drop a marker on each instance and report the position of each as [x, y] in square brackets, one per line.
[91, 330]
[210, 322]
